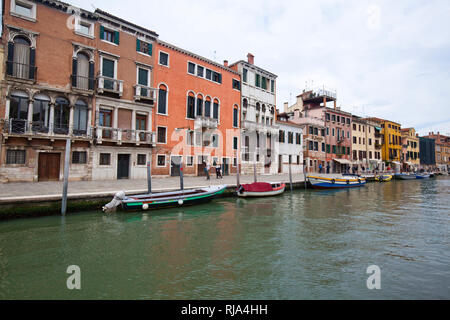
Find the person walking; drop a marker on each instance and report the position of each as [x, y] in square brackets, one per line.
[320, 168]
[218, 172]
[208, 168]
[328, 168]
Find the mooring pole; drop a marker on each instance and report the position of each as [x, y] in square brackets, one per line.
[66, 179]
[149, 177]
[290, 174]
[304, 174]
[254, 171]
[237, 173]
[181, 176]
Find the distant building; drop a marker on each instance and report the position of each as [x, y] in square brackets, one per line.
[442, 150]
[366, 146]
[410, 149]
[290, 147]
[427, 152]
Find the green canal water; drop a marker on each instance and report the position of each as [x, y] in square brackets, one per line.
[301, 245]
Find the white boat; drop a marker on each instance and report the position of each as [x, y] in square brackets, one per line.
[334, 183]
[405, 176]
[260, 189]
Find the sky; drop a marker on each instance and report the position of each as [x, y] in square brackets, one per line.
[387, 59]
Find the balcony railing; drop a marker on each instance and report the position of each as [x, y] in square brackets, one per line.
[124, 135]
[205, 122]
[82, 83]
[20, 70]
[377, 146]
[144, 92]
[38, 128]
[261, 127]
[106, 84]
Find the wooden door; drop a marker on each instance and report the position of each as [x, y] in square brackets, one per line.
[175, 164]
[49, 166]
[123, 166]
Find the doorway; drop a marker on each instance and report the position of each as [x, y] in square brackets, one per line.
[175, 165]
[123, 166]
[49, 166]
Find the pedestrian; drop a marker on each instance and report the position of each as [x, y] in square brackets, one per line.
[218, 172]
[328, 168]
[208, 168]
[320, 168]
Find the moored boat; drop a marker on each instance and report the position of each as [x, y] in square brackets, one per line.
[260, 189]
[166, 199]
[383, 178]
[422, 176]
[334, 183]
[405, 176]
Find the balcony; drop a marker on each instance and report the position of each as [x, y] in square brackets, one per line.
[341, 140]
[124, 136]
[19, 127]
[260, 127]
[377, 145]
[205, 122]
[82, 83]
[21, 71]
[109, 85]
[144, 93]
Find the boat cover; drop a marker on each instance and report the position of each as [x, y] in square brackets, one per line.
[257, 187]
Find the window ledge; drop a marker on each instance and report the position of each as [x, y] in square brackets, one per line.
[109, 42]
[84, 35]
[22, 16]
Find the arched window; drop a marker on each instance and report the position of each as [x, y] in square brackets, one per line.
[162, 99]
[80, 118]
[263, 109]
[41, 113]
[61, 120]
[258, 106]
[199, 105]
[208, 107]
[190, 109]
[21, 58]
[245, 103]
[18, 111]
[216, 109]
[235, 116]
[81, 71]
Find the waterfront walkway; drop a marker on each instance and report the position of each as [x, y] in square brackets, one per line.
[78, 189]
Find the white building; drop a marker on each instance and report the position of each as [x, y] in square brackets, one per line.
[258, 119]
[290, 146]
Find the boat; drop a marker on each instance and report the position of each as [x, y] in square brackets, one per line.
[260, 189]
[383, 178]
[422, 176]
[405, 176]
[165, 200]
[334, 183]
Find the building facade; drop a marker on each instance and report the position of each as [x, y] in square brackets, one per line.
[366, 147]
[442, 150]
[410, 149]
[290, 147]
[427, 153]
[197, 113]
[257, 117]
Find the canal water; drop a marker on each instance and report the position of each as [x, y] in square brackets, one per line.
[301, 245]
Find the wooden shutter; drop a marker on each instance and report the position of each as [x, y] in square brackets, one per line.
[138, 45]
[91, 75]
[102, 33]
[116, 37]
[74, 71]
[150, 49]
[9, 67]
[32, 63]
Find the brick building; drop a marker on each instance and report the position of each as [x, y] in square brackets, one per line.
[442, 150]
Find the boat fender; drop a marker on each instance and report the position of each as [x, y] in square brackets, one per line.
[333, 181]
[180, 202]
[359, 180]
[145, 206]
[117, 201]
[348, 181]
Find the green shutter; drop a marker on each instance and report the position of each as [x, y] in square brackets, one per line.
[116, 37]
[138, 45]
[102, 32]
[150, 49]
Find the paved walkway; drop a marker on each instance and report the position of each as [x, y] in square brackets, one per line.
[27, 190]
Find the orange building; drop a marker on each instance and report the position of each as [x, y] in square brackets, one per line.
[196, 118]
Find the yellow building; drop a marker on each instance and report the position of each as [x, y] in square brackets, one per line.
[366, 147]
[410, 149]
[391, 142]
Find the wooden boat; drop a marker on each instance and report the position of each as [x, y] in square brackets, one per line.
[405, 176]
[422, 176]
[334, 183]
[168, 199]
[383, 178]
[260, 189]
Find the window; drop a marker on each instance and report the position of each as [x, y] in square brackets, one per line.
[141, 159]
[85, 28]
[258, 80]
[163, 58]
[235, 117]
[191, 67]
[208, 74]
[216, 109]
[79, 157]
[189, 161]
[162, 99]
[272, 85]
[105, 159]
[298, 138]
[24, 8]
[144, 47]
[15, 157]
[18, 112]
[208, 107]
[290, 137]
[161, 160]
[215, 140]
[109, 35]
[200, 71]
[109, 72]
[190, 113]
[244, 75]
[323, 147]
[236, 84]
[61, 116]
[281, 136]
[216, 77]
[41, 113]
[235, 143]
[199, 105]
[333, 117]
[298, 159]
[21, 59]
[83, 72]
[80, 116]
[162, 135]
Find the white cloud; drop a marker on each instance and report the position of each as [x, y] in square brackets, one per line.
[386, 58]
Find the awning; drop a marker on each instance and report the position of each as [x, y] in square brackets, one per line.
[378, 128]
[396, 162]
[342, 161]
[374, 161]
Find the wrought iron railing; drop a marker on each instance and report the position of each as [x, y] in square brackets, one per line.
[21, 70]
[82, 83]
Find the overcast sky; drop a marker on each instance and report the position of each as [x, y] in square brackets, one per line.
[388, 59]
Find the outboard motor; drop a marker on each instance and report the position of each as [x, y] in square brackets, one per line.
[118, 197]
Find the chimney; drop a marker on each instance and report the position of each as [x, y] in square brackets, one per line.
[286, 106]
[225, 63]
[250, 58]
